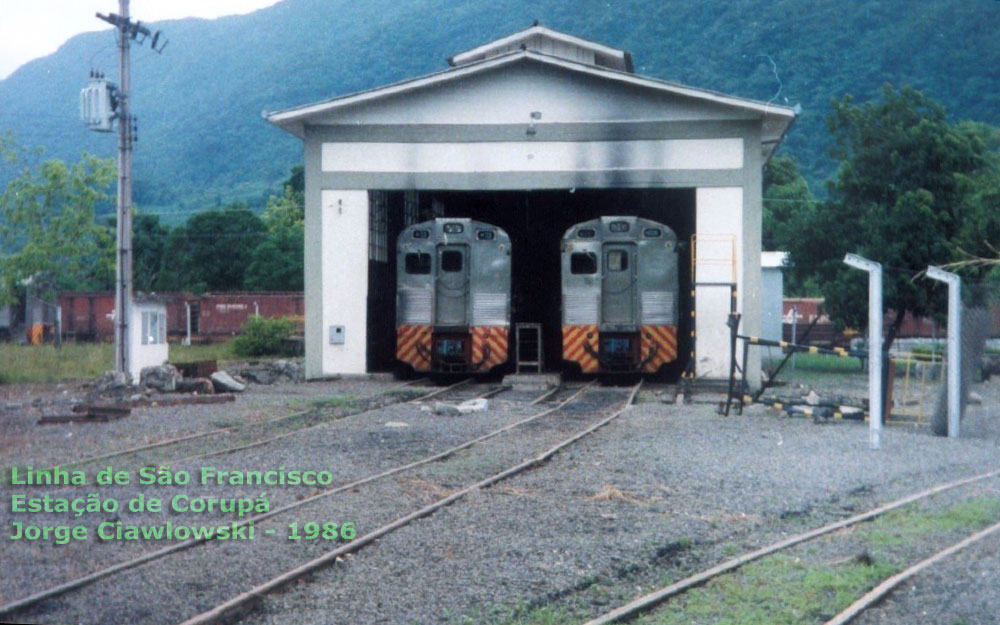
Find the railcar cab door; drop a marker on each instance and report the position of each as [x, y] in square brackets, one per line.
[451, 295]
[618, 297]
[452, 347]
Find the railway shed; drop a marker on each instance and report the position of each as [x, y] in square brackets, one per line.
[533, 132]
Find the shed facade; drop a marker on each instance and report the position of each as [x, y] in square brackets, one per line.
[533, 132]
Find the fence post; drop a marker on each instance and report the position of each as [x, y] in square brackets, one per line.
[875, 405]
[954, 345]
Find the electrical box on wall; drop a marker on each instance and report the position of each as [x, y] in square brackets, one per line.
[336, 335]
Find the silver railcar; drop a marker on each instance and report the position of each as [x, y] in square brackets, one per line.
[619, 295]
[453, 296]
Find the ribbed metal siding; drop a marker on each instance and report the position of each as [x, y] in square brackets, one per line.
[659, 308]
[581, 306]
[489, 309]
[414, 307]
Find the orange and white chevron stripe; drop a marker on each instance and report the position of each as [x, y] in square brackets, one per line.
[574, 339]
[407, 340]
[664, 338]
[495, 337]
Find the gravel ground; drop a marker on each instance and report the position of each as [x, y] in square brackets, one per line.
[349, 449]
[24, 442]
[691, 486]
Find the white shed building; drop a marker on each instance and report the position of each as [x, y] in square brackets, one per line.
[533, 132]
[147, 335]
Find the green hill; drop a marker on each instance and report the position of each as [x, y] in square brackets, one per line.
[202, 141]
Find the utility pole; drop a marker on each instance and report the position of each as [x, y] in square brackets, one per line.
[128, 31]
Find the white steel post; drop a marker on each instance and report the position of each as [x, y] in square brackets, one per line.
[954, 345]
[187, 308]
[875, 400]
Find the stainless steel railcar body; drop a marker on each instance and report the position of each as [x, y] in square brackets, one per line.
[620, 295]
[453, 296]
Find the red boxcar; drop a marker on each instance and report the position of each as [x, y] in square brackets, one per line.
[87, 315]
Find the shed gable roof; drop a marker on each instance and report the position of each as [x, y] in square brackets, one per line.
[394, 104]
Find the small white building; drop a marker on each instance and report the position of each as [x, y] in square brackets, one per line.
[532, 132]
[147, 335]
[772, 284]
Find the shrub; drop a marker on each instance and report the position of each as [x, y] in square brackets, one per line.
[263, 336]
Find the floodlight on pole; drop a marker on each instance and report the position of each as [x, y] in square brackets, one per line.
[875, 401]
[954, 283]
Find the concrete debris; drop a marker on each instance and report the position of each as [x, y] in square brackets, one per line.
[163, 378]
[276, 371]
[198, 386]
[975, 398]
[112, 383]
[446, 409]
[396, 424]
[812, 398]
[473, 405]
[224, 383]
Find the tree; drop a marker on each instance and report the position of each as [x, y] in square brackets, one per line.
[212, 250]
[277, 263]
[149, 251]
[48, 223]
[894, 200]
[787, 199]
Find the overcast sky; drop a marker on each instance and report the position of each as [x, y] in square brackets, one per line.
[33, 28]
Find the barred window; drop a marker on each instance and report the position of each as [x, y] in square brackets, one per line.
[378, 226]
[411, 208]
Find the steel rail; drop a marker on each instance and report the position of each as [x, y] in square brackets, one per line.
[219, 612]
[648, 601]
[68, 586]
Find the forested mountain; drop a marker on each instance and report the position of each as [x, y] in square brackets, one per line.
[203, 143]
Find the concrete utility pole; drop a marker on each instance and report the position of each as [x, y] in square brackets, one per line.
[875, 397]
[954, 283]
[127, 32]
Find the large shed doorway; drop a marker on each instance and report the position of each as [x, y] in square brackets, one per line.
[536, 222]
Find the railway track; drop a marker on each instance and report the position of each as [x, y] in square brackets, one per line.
[198, 436]
[63, 590]
[651, 600]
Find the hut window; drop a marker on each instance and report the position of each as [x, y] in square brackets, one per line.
[154, 328]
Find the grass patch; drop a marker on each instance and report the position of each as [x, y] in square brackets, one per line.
[787, 589]
[208, 351]
[78, 361]
[778, 590]
[820, 363]
[338, 402]
[45, 363]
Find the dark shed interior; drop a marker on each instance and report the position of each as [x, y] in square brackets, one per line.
[536, 222]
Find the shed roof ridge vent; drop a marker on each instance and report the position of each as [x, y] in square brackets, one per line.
[551, 42]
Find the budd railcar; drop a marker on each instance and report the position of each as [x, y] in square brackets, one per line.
[619, 295]
[452, 296]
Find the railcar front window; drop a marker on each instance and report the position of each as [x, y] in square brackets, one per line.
[583, 262]
[617, 260]
[451, 261]
[418, 263]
